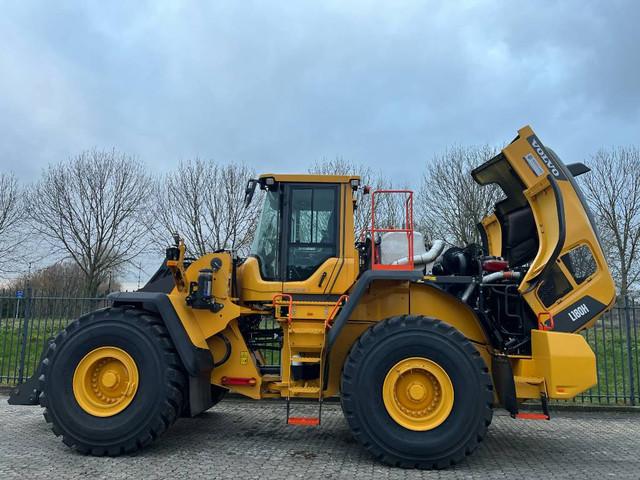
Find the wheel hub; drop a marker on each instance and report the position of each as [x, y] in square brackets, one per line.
[418, 394]
[105, 381]
[416, 391]
[109, 379]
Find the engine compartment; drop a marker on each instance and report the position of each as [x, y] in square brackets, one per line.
[486, 283]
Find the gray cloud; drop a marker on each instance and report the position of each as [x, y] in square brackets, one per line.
[281, 84]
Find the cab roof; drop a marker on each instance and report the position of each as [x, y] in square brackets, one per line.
[309, 178]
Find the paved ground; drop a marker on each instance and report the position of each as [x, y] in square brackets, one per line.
[244, 440]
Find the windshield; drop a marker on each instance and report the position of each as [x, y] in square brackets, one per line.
[265, 243]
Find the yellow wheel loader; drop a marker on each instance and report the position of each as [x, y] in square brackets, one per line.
[419, 344]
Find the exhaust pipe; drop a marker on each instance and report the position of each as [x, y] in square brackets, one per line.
[424, 258]
[492, 277]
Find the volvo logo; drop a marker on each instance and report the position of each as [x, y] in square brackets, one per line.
[535, 143]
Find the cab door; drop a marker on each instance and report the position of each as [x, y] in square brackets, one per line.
[311, 236]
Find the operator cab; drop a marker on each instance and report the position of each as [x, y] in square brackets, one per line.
[304, 238]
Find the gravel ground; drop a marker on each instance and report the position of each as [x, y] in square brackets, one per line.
[243, 439]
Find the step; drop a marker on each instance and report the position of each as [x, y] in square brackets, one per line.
[532, 416]
[308, 421]
[298, 345]
[270, 378]
[270, 370]
[296, 390]
[297, 359]
[307, 330]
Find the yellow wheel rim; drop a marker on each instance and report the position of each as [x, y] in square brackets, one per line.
[105, 381]
[418, 394]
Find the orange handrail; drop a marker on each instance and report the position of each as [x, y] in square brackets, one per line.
[332, 314]
[283, 296]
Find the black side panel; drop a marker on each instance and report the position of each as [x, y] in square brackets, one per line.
[161, 281]
[199, 394]
[314, 297]
[577, 314]
[504, 384]
[196, 360]
[27, 392]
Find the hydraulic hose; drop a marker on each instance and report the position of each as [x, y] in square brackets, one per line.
[505, 275]
[227, 353]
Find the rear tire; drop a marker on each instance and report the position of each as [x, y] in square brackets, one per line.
[157, 398]
[415, 440]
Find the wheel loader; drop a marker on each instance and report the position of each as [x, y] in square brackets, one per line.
[419, 344]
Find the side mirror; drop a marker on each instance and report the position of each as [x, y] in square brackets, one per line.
[248, 192]
[176, 239]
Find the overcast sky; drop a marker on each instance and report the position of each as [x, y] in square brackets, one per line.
[281, 84]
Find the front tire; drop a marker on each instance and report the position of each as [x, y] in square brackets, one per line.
[416, 393]
[112, 382]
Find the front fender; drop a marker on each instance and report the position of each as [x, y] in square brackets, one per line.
[196, 359]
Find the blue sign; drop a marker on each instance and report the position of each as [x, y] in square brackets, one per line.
[19, 293]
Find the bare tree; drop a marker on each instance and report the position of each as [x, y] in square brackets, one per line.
[389, 208]
[612, 189]
[450, 203]
[10, 217]
[63, 278]
[203, 202]
[94, 209]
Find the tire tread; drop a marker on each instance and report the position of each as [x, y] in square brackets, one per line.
[357, 353]
[167, 414]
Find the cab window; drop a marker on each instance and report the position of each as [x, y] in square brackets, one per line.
[312, 236]
[580, 263]
[266, 240]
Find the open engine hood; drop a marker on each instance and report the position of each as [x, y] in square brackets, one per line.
[544, 225]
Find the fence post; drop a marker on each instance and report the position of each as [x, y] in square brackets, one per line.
[632, 392]
[25, 334]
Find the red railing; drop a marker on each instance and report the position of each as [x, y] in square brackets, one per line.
[408, 229]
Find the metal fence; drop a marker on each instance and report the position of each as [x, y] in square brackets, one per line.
[28, 320]
[615, 341]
